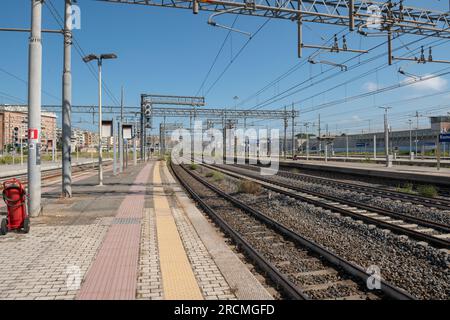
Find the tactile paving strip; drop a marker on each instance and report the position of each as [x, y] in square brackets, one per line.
[178, 280]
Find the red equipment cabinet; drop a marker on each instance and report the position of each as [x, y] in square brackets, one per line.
[15, 197]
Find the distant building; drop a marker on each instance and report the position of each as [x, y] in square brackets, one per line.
[398, 140]
[90, 139]
[13, 116]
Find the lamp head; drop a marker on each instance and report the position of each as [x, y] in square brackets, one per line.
[90, 57]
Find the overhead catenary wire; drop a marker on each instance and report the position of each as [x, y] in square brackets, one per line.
[356, 78]
[287, 73]
[236, 56]
[366, 94]
[240, 51]
[285, 93]
[26, 83]
[378, 91]
[12, 97]
[358, 56]
[54, 12]
[217, 57]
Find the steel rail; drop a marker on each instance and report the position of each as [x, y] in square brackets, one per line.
[47, 171]
[287, 286]
[353, 269]
[275, 186]
[443, 204]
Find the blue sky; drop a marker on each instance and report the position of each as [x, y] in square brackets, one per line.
[169, 51]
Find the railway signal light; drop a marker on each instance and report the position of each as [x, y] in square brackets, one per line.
[16, 136]
[147, 111]
[147, 115]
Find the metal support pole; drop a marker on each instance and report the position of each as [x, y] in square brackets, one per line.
[293, 132]
[142, 129]
[114, 150]
[34, 110]
[351, 14]
[246, 155]
[161, 147]
[438, 153]
[346, 146]
[307, 143]
[21, 145]
[320, 142]
[54, 145]
[224, 137]
[192, 138]
[374, 146]
[164, 137]
[120, 133]
[67, 105]
[410, 140]
[126, 154]
[134, 152]
[100, 166]
[300, 31]
[285, 132]
[417, 129]
[389, 35]
[386, 139]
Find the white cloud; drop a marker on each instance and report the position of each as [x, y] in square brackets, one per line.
[370, 86]
[433, 84]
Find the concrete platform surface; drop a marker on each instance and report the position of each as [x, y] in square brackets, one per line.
[413, 173]
[137, 237]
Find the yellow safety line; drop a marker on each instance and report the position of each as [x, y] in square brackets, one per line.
[178, 279]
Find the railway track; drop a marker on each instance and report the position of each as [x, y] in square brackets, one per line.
[439, 203]
[299, 267]
[50, 173]
[431, 232]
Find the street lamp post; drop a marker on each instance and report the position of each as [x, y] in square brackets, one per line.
[99, 59]
[386, 136]
[307, 140]
[410, 138]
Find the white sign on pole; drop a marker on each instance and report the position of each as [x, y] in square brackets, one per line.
[107, 128]
[127, 131]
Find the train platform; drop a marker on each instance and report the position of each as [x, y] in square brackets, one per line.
[137, 237]
[419, 174]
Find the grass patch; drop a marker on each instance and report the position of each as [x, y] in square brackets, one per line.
[193, 166]
[427, 191]
[250, 187]
[215, 175]
[209, 174]
[218, 176]
[406, 188]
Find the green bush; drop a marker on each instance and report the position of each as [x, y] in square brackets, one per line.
[427, 191]
[193, 166]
